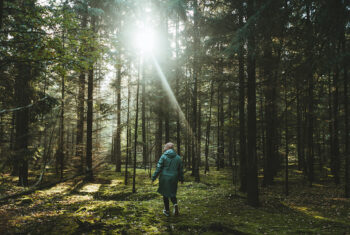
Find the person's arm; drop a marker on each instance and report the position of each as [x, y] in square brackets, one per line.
[159, 168]
[181, 172]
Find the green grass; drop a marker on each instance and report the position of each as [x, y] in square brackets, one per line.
[213, 206]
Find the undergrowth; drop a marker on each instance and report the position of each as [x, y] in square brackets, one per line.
[213, 206]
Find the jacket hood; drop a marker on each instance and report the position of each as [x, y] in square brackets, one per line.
[170, 153]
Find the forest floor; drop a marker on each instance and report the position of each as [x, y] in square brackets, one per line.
[107, 206]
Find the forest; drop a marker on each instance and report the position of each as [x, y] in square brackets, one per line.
[253, 94]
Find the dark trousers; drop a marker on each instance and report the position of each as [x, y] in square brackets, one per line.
[166, 202]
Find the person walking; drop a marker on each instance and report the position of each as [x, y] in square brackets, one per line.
[170, 172]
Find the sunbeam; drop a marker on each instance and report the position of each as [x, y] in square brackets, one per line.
[171, 95]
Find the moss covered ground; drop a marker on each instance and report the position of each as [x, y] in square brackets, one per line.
[214, 206]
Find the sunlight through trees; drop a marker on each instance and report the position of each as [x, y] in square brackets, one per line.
[252, 93]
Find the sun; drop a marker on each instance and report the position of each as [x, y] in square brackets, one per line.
[144, 39]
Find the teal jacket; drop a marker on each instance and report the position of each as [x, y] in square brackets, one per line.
[170, 171]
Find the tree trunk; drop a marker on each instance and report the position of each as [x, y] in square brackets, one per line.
[286, 137]
[218, 134]
[144, 139]
[61, 152]
[158, 148]
[252, 174]
[166, 99]
[89, 116]
[166, 121]
[310, 113]
[207, 135]
[310, 142]
[112, 148]
[177, 74]
[196, 39]
[330, 117]
[117, 150]
[335, 157]
[221, 119]
[128, 134]
[61, 147]
[73, 144]
[242, 133]
[271, 132]
[135, 134]
[159, 132]
[22, 99]
[1, 136]
[199, 136]
[346, 121]
[14, 165]
[187, 156]
[230, 135]
[300, 141]
[1, 12]
[81, 107]
[262, 126]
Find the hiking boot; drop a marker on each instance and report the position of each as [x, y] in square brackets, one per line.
[166, 213]
[176, 209]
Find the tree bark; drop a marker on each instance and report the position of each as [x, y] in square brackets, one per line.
[128, 134]
[143, 108]
[310, 113]
[159, 134]
[286, 187]
[335, 157]
[196, 39]
[166, 100]
[61, 146]
[135, 134]
[207, 135]
[310, 142]
[159, 122]
[230, 134]
[242, 133]
[14, 171]
[188, 152]
[177, 74]
[22, 99]
[330, 117]
[117, 150]
[262, 126]
[199, 136]
[270, 112]
[346, 121]
[1, 136]
[221, 118]
[60, 154]
[81, 106]
[300, 142]
[252, 174]
[89, 116]
[1, 13]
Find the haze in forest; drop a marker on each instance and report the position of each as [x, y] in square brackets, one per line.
[253, 94]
